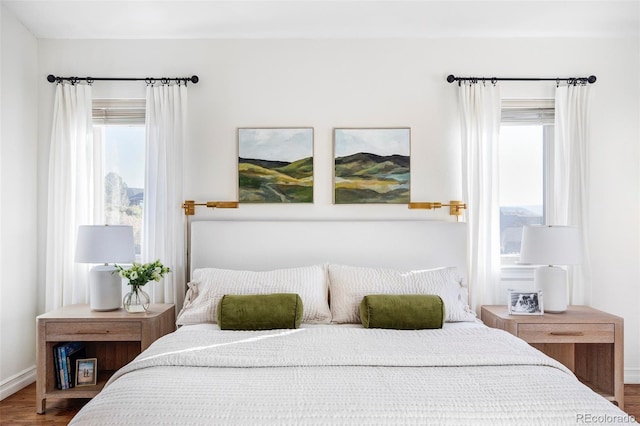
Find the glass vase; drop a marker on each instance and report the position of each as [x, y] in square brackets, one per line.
[136, 301]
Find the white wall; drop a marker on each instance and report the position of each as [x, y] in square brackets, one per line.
[18, 205]
[352, 83]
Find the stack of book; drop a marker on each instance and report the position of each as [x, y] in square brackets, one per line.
[64, 357]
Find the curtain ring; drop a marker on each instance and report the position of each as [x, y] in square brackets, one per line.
[494, 80]
[90, 81]
[164, 81]
[557, 83]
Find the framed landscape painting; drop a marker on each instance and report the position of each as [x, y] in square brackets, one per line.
[275, 165]
[372, 165]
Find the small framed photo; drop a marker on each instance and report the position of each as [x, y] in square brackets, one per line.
[86, 371]
[525, 302]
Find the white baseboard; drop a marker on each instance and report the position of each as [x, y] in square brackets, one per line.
[632, 376]
[16, 382]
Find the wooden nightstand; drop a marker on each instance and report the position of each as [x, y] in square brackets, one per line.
[115, 338]
[587, 341]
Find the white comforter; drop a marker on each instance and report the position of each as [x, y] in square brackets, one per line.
[343, 375]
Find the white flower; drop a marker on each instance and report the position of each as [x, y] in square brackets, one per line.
[134, 275]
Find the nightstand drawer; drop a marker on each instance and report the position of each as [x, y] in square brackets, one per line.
[567, 333]
[99, 331]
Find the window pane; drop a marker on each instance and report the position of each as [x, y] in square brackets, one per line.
[124, 177]
[521, 183]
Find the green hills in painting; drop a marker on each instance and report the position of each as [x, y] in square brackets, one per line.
[359, 178]
[371, 178]
[266, 181]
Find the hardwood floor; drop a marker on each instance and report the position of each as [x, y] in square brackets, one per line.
[632, 400]
[19, 408]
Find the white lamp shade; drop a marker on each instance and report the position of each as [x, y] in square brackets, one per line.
[105, 244]
[551, 245]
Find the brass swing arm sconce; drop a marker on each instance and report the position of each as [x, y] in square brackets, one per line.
[189, 206]
[456, 208]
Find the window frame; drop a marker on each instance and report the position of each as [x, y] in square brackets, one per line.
[110, 113]
[527, 112]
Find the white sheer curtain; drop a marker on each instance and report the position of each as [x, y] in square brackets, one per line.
[480, 107]
[163, 233]
[74, 167]
[570, 188]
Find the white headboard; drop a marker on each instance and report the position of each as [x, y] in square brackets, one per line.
[264, 245]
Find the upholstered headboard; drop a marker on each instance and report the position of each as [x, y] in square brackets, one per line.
[263, 245]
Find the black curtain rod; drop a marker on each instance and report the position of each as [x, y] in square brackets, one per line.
[571, 80]
[150, 80]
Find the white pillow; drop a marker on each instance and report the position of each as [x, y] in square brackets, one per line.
[208, 285]
[349, 284]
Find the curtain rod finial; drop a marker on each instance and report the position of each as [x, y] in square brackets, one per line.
[451, 78]
[194, 79]
[591, 79]
[51, 78]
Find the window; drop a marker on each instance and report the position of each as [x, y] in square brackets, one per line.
[119, 131]
[526, 137]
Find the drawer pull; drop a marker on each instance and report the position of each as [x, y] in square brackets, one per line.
[567, 333]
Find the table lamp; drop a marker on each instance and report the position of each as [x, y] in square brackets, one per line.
[105, 244]
[551, 245]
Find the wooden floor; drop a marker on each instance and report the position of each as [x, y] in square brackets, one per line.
[19, 408]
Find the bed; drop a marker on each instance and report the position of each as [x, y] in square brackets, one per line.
[331, 369]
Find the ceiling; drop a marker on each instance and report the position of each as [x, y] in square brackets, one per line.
[171, 19]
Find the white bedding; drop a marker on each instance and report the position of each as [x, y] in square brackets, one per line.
[319, 375]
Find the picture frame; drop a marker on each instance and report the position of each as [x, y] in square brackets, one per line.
[275, 164]
[86, 372]
[372, 165]
[525, 302]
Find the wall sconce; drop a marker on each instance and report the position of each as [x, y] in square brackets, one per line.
[456, 208]
[189, 206]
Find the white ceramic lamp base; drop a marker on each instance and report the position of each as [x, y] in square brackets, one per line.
[552, 280]
[105, 288]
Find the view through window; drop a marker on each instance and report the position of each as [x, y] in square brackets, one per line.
[522, 184]
[123, 167]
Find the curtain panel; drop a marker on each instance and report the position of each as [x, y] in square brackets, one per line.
[480, 110]
[570, 188]
[74, 175]
[163, 234]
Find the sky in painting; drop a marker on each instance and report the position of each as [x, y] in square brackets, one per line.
[275, 144]
[374, 141]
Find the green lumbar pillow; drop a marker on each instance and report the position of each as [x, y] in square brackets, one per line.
[259, 311]
[402, 311]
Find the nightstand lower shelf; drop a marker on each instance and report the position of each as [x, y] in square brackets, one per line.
[82, 391]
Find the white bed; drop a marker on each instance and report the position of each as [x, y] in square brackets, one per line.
[463, 373]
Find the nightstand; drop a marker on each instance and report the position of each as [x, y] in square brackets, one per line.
[115, 338]
[587, 341]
